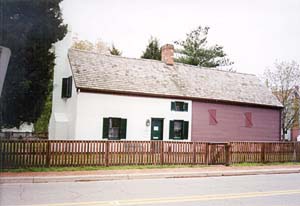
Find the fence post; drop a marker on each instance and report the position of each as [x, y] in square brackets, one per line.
[194, 153]
[297, 151]
[106, 153]
[48, 153]
[162, 152]
[227, 154]
[263, 152]
[207, 153]
[294, 159]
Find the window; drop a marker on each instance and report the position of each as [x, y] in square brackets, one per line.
[66, 87]
[179, 106]
[248, 119]
[114, 128]
[212, 116]
[179, 129]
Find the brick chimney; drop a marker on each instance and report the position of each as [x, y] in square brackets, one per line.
[167, 54]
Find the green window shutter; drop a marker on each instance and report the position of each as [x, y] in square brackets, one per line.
[185, 130]
[123, 127]
[105, 128]
[66, 91]
[64, 87]
[69, 87]
[173, 105]
[171, 134]
[185, 107]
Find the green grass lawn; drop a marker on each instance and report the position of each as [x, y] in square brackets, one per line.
[63, 169]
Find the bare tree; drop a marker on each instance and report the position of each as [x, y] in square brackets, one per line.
[99, 47]
[83, 45]
[283, 80]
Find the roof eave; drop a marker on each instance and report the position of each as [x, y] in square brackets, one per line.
[216, 101]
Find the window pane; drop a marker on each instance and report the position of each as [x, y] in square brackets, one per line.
[115, 122]
[114, 128]
[178, 129]
[113, 132]
[179, 106]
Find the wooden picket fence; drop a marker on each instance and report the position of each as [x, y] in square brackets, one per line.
[65, 153]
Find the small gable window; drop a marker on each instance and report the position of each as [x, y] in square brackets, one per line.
[66, 87]
[179, 129]
[179, 106]
[114, 128]
[248, 119]
[212, 116]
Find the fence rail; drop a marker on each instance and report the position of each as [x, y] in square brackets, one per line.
[58, 153]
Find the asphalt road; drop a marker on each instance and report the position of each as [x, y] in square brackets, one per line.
[259, 190]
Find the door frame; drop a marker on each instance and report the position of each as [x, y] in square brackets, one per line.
[162, 129]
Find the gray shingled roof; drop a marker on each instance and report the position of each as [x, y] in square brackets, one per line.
[120, 74]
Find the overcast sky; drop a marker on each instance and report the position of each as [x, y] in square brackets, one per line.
[254, 33]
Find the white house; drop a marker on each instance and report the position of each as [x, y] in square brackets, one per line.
[79, 113]
[97, 96]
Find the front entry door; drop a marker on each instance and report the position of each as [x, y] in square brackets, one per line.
[157, 127]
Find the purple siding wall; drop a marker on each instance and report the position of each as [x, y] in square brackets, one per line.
[231, 123]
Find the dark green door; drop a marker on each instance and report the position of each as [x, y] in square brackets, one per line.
[157, 127]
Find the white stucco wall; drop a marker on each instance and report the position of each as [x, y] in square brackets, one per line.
[63, 115]
[93, 107]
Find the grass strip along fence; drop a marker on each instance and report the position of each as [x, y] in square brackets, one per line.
[66, 153]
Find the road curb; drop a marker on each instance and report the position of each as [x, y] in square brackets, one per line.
[87, 178]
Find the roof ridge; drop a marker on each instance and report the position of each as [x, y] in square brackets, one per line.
[116, 56]
[157, 61]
